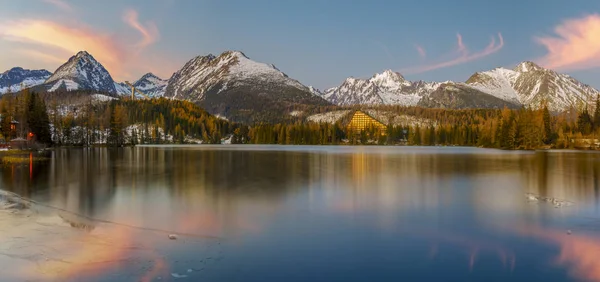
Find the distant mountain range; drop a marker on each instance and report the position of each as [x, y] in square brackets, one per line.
[526, 85]
[16, 78]
[233, 86]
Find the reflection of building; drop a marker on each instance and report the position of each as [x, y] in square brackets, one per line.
[361, 121]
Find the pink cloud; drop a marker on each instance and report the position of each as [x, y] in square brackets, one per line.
[71, 39]
[54, 42]
[464, 55]
[421, 51]
[576, 45]
[149, 32]
[61, 4]
[42, 56]
[461, 46]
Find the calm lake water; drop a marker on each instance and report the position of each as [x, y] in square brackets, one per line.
[301, 213]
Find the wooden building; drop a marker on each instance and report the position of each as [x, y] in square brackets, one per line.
[361, 121]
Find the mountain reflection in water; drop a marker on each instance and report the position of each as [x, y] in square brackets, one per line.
[285, 212]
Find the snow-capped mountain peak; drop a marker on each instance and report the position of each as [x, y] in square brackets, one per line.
[315, 91]
[151, 85]
[15, 79]
[531, 85]
[388, 76]
[230, 69]
[528, 66]
[82, 71]
[388, 87]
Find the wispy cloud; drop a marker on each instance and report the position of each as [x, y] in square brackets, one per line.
[149, 31]
[421, 51]
[42, 56]
[55, 42]
[575, 45]
[462, 55]
[462, 49]
[71, 39]
[61, 4]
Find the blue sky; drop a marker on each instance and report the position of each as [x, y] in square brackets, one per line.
[319, 43]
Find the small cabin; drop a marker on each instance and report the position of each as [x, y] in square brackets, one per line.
[361, 121]
[13, 125]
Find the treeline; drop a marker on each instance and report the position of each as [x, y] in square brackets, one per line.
[115, 122]
[83, 120]
[507, 129]
[24, 115]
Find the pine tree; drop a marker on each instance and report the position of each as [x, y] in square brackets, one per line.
[597, 114]
[584, 122]
[548, 130]
[38, 120]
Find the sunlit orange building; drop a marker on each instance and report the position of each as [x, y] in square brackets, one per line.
[361, 121]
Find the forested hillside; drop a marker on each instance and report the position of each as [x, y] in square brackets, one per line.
[98, 119]
[83, 119]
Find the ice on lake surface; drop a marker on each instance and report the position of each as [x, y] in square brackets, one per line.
[41, 243]
[301, 213]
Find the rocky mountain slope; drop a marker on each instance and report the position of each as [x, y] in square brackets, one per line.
[526, 85]
[531, 85]
[389, 88]
[81, 72]
[16, 78]
[151, 85]
[238, 88]
[462, 96]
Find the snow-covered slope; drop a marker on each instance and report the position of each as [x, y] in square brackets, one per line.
[497, 82]
[531, 85]
[15, 79]
[151, 85]
[389, 88]
[230, 69]
[122, 89]
[81, 72]
[233, 86]
[527, 84]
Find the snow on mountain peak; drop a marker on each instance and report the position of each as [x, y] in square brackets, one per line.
[388, 87]
[230, 69]
[531, 85]
[17, 79]
[82, 71]
[527, 66]
[315, 91]
[388, 75]
[148, 77]
[151, 85]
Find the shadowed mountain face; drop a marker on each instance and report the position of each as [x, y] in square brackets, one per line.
[531, 85]
[81, 72]
[240, 89]
[16, 78]
[526, 85]
[151, 85]
[461, 96]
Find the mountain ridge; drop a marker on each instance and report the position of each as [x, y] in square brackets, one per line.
[231, 83]
[81, 71]
[12, 79]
